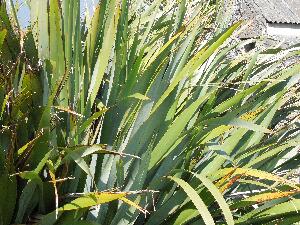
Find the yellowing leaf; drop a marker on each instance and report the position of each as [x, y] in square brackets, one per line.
[68, 111]
[131, 203]
[251, 115]
[29, 144]
[255, 173]
[269, 196]
[92, 199]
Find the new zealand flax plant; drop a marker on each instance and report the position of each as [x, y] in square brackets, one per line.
[143, 113]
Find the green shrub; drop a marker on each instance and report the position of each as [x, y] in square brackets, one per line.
[139, 114]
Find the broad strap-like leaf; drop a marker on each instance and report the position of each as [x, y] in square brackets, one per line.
[275, 211]
[174, 131]
[85, 201]
[195, 198]
[218, 196]
[254, 173]
[195, 63]
[105, 51]
[92, 199]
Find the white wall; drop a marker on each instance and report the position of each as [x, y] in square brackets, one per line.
[280, 29]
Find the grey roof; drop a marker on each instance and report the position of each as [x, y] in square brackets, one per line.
[277, 11]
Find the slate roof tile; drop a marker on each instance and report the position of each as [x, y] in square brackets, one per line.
[277, 11]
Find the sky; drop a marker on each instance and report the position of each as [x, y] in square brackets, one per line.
[24, 13]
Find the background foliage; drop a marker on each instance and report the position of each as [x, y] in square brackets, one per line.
[143, 113]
